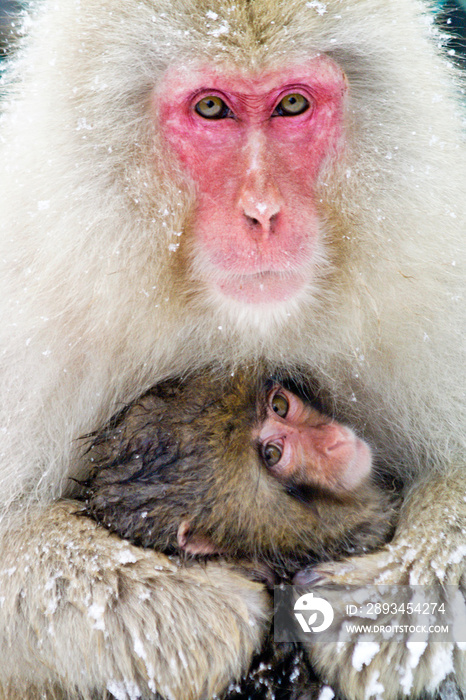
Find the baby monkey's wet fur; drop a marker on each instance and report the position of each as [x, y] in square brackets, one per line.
[185, 452]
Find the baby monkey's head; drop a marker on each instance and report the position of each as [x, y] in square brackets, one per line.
[244, 468]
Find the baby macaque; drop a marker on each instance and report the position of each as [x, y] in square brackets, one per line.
[243, 468]
[246, 469]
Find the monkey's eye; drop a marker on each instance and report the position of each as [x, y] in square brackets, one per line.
[212, 107]
[280, 405]
[272, 454]
[291, 105]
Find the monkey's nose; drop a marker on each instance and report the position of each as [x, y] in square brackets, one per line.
[260, 214]
[334, 440]
[261, 207]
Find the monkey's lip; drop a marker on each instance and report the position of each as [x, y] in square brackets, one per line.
[263, 287]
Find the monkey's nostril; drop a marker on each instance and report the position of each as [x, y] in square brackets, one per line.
[266, 224]
[336, 445]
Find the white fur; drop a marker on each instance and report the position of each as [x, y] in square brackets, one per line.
[97, 305]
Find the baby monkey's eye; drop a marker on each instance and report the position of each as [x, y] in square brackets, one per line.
[280, 405]
[272, 454]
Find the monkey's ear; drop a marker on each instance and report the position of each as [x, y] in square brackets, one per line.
[192, 543]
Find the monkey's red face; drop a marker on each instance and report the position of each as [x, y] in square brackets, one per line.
[300, 445]
[254, 146]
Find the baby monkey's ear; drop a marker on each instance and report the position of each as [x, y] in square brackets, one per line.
[193, 543]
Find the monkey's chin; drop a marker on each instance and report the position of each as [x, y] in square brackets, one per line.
[263, 287]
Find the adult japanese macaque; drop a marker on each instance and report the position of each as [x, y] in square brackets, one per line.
[244, 469]
[188, 183]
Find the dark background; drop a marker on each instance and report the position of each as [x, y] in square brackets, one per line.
[8, 9]
[452, 15]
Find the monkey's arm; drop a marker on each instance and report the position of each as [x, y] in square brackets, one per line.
[82, 612]
[429, 549]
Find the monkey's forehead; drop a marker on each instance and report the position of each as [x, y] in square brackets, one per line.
[252, 81]
[254, 33]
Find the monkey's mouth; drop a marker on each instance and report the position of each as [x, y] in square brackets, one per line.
[263, 287]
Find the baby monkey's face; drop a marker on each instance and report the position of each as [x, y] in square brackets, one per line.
[301, 445]
[289, 481]
[244, 469]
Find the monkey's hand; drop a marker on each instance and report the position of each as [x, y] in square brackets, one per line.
[82, 610]
[426, 558]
